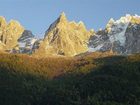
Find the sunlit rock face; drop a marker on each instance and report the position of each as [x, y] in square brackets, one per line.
[121, 36]
[65, 38]
[9, 33]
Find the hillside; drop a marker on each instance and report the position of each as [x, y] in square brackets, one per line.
[92, 79]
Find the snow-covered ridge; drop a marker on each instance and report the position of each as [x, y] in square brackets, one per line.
[123, 20]
[116, 29]
[116, 34]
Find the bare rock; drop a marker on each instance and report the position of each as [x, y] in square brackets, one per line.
[10, 33]
[65, 38]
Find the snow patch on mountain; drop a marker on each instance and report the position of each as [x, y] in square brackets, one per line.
[93, 49]
[26, 42]
[116, 35]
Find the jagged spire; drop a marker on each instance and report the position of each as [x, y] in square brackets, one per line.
[92, 31]
[64, 38]
[81, 23]
[63, 14]
[63, 17]
[2, 21]
[2, 18]
[109, 24]
[111, 21]
[14, 22]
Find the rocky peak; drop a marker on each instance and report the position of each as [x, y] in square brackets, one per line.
[121, 36]
[13, 32]
[26, 35]
[59, 23]
[62, 17]
[125, 20]
[9, 33]
[65, 38]
[2, 22]
[26, 42]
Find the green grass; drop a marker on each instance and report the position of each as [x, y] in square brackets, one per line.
[94, 79]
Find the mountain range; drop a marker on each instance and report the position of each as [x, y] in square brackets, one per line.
[60, 69]
[65, 38]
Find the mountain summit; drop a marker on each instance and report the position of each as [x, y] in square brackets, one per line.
[121, 36]
[9, 34]
[68, 38]
[65, 38]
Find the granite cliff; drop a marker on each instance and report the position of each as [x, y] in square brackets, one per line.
[65, 38]
[9, 34]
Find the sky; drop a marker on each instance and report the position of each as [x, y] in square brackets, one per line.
[37, 15]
